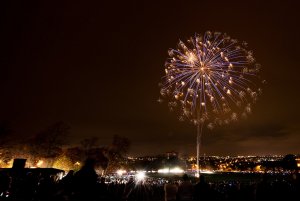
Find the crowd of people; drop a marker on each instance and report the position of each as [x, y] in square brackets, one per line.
[85, 184]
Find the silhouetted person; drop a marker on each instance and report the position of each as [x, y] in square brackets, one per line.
[185, 189]
[18, 177]
[68, 177]
[202, 189]
[45, 188]
[102, 190]
[30, 185]
[170, 189]
[263, 190]
[85, 181]
[5, 182]
[127, 194]
[67, 183]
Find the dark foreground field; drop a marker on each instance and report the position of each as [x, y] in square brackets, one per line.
[87, 185]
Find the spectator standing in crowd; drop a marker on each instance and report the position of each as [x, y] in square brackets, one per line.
[185, 189]
[85, 182]
[170, 190]
[202, 190]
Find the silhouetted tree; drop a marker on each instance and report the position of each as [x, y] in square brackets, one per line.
[120, 145]
[76, 154]
[98, 154]
[48, 143]
[88, 144]
[289, 162]
[116, 152]
[6, 142]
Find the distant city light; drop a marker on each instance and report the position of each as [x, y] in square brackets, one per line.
[164, 171]
[207, 172]
[175, 170]
[121, 172]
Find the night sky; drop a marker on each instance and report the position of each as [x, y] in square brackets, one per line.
[97, 65]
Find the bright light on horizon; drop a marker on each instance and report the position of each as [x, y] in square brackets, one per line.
[140, 176]
[164, 171]
[121, 172]
[207, 172]
[175, 170]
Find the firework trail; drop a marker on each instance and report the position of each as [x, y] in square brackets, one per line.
[211, 80]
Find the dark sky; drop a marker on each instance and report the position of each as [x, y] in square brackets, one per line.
[97, 65]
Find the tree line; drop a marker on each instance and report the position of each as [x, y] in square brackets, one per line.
[50, 146]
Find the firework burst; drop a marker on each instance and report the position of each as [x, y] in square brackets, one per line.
[212, 79]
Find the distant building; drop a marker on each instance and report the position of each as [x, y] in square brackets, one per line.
[172, 154]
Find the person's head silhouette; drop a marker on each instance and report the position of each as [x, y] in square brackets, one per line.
[185, 177]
